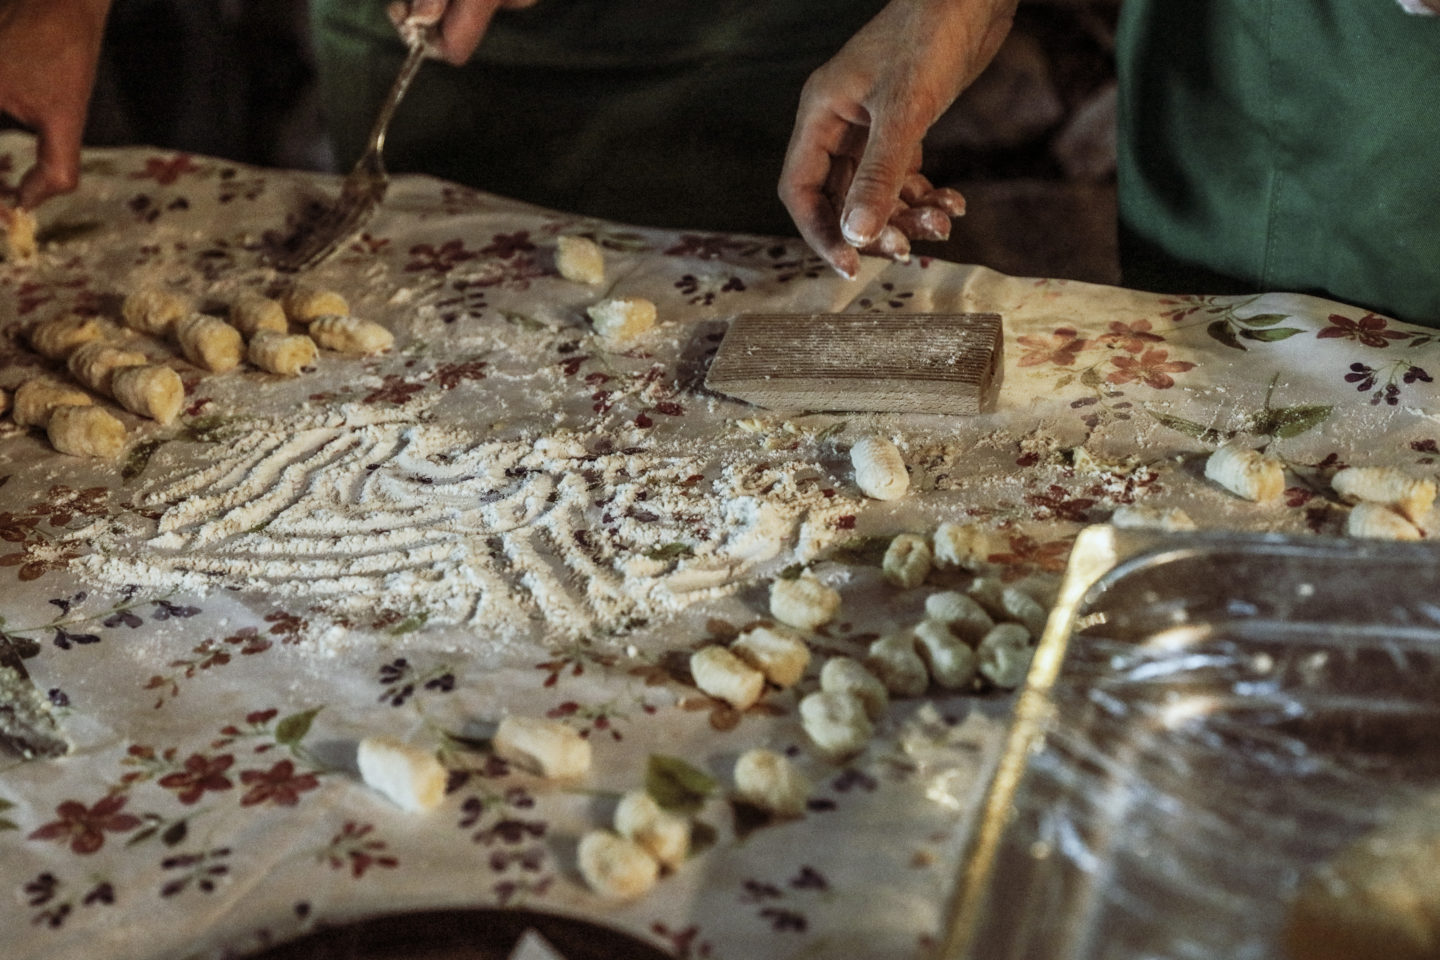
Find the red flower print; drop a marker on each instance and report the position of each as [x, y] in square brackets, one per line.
[394, 389]
[506, 245]
[1130, 337]
[451, 375]
[705, 247]
[1025, 552]
[85, 827]
[279, 785]
[440, 259]
[1060, 348]
[1151, 368]
[350, 845]
[200, 774]
[1368, 330]
[166, 171]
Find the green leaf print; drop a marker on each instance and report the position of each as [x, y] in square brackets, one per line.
[1270, 336]
[1222, 331]
[676, 785]
[293, 728]
[1288, 422]
[1190, 428]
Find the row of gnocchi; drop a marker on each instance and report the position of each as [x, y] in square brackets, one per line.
[622, 861]
[102, 360]
[1387, 502]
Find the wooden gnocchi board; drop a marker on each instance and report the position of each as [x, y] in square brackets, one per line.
[903, 363]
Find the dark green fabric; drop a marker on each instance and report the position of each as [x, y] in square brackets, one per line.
[670, 113]
[1282, 145]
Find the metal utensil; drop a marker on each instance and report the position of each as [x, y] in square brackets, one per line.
[367, 181]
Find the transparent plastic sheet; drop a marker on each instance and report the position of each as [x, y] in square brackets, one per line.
[1210, 719]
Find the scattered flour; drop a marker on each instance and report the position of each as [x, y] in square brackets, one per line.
[361, 512]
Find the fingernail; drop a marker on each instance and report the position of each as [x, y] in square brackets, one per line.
[861, 225]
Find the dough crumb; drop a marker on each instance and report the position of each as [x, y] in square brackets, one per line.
[580, 259]
[621, 320]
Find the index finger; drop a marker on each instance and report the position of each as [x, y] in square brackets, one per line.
[814, 144]
[57, 161]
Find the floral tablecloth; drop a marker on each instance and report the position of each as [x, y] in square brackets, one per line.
[506, 515]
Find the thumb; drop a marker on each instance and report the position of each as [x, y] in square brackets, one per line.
[464, 26]
[890, 149]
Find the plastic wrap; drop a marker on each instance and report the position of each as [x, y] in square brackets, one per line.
[1211, 718]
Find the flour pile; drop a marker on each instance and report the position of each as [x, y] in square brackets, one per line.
[361, 512]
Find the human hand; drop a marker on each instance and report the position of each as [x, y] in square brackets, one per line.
[462, 23]
[851, 178]
[48, 53]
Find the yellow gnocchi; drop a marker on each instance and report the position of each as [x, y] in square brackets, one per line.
[1246, 473]
[879, 468]
[58, 337]
[305, 303]
[725, 676]
[347, 334]
[1140, 517]
[209, 342]
[803, 603]
[614, 867]
[93, 365]
[155, 310]
[149, 390]
[962, 545]
[17, 234]
[766, 779]
[579, 259]
[781, 657]
[1412, 496]
[85, 431]
[411, 778]
[544, 747]
[284, 353]
[1379, 521]
[660, 833]
[37, 399]
[907, 561]
[252, 311]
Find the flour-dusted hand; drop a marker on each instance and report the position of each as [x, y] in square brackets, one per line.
[462, 22]
[48, 52]
[851, 174]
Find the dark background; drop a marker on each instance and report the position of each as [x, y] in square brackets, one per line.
[1031, 144]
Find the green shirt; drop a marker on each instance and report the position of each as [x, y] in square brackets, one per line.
[1282, 145]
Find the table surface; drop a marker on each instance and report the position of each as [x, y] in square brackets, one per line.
[506, 515]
